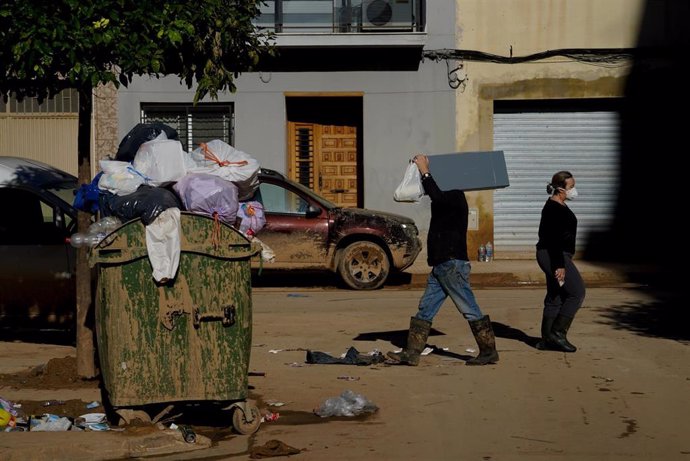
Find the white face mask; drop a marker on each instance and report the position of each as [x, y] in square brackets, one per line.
[570, 194]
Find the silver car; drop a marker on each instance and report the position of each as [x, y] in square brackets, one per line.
[37, 263]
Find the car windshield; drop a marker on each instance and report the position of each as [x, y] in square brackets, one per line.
[324, 202]
[64, 191]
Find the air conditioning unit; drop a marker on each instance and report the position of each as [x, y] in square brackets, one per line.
[387, 15]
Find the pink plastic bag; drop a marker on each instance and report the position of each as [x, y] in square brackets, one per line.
[252, 215]
[210, 195]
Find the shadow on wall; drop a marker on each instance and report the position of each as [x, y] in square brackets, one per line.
[653, 185]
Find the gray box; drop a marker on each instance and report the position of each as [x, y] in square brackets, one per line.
[470, 170]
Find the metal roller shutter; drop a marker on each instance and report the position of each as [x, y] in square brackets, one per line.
[537, 145]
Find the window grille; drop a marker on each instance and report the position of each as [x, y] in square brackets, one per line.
[194, 124]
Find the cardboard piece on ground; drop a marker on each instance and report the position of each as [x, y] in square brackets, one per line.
[469, 170]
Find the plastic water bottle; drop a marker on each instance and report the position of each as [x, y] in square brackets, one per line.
[489, 252]
[482, 252]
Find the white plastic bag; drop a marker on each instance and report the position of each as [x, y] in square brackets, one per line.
[349, 403]
[163, 244]
[410, 188]
[221, 159]
[161, 160]
[120, 178]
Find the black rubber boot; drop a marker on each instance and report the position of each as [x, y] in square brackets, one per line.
[546, 334]
[484, 335]
[560, 331]
[416, 340]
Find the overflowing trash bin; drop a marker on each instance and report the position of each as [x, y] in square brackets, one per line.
[187, 338]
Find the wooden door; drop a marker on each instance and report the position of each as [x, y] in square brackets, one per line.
[324, 158]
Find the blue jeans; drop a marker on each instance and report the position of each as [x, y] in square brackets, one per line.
[450, 278]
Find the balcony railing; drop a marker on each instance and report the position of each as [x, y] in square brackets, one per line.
[343, 16]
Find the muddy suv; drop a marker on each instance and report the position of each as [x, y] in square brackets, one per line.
[306, 231]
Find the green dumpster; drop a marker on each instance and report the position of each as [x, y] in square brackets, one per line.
[188, 339]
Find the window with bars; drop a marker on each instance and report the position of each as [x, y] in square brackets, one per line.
[194, 124]
[304, 156]
[65, 102]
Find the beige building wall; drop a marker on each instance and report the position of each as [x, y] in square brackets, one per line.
[524, 27]
[48, 138]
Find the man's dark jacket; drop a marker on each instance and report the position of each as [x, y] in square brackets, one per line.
[447, 237]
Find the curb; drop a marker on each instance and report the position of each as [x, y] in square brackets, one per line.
[599, 279]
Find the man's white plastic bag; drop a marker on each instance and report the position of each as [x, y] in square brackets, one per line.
[410, 188]
[163, 244]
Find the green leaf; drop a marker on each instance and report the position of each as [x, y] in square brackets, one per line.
[174, 36]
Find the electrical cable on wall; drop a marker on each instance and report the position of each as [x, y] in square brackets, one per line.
[596, 56]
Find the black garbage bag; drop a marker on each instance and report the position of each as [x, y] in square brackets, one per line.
[141, 133]
[146, 203]
[352, 357]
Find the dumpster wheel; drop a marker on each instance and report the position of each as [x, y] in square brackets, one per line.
[246, 418]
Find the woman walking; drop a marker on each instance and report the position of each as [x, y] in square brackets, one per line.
[565, 289]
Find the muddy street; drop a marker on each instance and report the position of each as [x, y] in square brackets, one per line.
[621, 396]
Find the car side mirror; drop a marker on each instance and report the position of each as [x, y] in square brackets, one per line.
[313, 211]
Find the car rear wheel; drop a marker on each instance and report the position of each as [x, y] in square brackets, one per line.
[364, 265]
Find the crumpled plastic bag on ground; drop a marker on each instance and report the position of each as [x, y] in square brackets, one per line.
[348, 403]
[163, 244]
[352, 357]
[51, 423]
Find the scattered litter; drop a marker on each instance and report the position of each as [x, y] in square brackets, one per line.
[295, 364]
[7, 420]
[397, 351]
[470, 350]
[348, 403]
[275, 351]
[52, 403]
[270, 417]
[92, 422]
[427, 350]
[93, 405]
[93, 418]
[9, 406]
[349, 378]
[49, 423]
[273, 403]
[608, 380]
[297, 295]
[188, 434]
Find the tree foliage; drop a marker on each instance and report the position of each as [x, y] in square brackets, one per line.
[47, 45]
